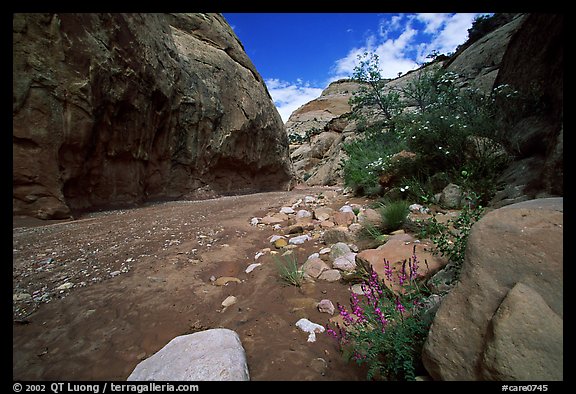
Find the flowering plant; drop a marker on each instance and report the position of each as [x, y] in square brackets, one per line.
[384, 329]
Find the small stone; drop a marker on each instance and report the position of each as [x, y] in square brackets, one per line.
[299, 240]
[323, 213]
[344, 218]
[345, 263]
[65, 286]
[274, 238]
[397, 232]
[21, 297]
[224, 280]
[339, 249]
[251, 267]
[319, 365]
[314, 267]
[280, 243]
[326, 306]
[310, 327]
[230, 300]
[294, 229]
[346, 208]
[115, 273]
[357, 289]
[287, 210]
[254, 221]
[273, 219]
[301, 214]
[335, 235]
[309, 199]
[332, 275]
[314, 256]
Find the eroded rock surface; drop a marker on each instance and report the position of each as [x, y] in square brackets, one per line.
[487, 326]
[113, 109]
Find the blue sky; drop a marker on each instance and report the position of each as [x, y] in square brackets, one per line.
[299, 54]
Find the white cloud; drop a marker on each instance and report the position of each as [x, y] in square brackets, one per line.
[448, 31]
[391, 54]
[404, 41]
[288, 96]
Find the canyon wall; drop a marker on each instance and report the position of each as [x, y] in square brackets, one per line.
[118, 109]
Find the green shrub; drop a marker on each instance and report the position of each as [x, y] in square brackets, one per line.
[368, 157]
[394, 214]
[451, 243]
[445, 131]
[289, 271]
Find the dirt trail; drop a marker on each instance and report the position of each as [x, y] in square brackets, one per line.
[141, 277]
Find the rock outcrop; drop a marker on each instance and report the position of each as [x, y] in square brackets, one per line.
[316, 114]
[117, 109]
[322, 124]
[212, 355]
[503, 320]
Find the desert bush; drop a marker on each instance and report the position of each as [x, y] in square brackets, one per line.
[441, 129]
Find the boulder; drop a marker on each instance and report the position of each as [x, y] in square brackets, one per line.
[396, 250]
[513, 263]
[519, 349]
[314, 267]
[212, 355]
[117, 109]
[330, 275]
[451, 196]
[323, 213]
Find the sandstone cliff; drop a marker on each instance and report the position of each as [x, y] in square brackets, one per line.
[112, 109]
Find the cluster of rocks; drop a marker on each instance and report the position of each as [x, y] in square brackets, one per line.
[44, 279]
[56, 271]
[502, 322]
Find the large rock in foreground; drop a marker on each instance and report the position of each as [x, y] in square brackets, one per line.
[503, 320]
[212, 355]
[117, 109]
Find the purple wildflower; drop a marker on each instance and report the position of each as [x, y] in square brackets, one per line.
[380, 317]
[399, 307]
[413, 263]
[375, 282]
[331, 332]
[356, 308]
[344, 313]
[387, 270]
[357, 356]
[402, 274]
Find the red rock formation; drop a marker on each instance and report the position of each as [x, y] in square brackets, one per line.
[113, 109]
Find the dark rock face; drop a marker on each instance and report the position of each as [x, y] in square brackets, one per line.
[534, 65]
[112, 109]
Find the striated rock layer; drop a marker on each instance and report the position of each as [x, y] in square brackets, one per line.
[116, 109]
